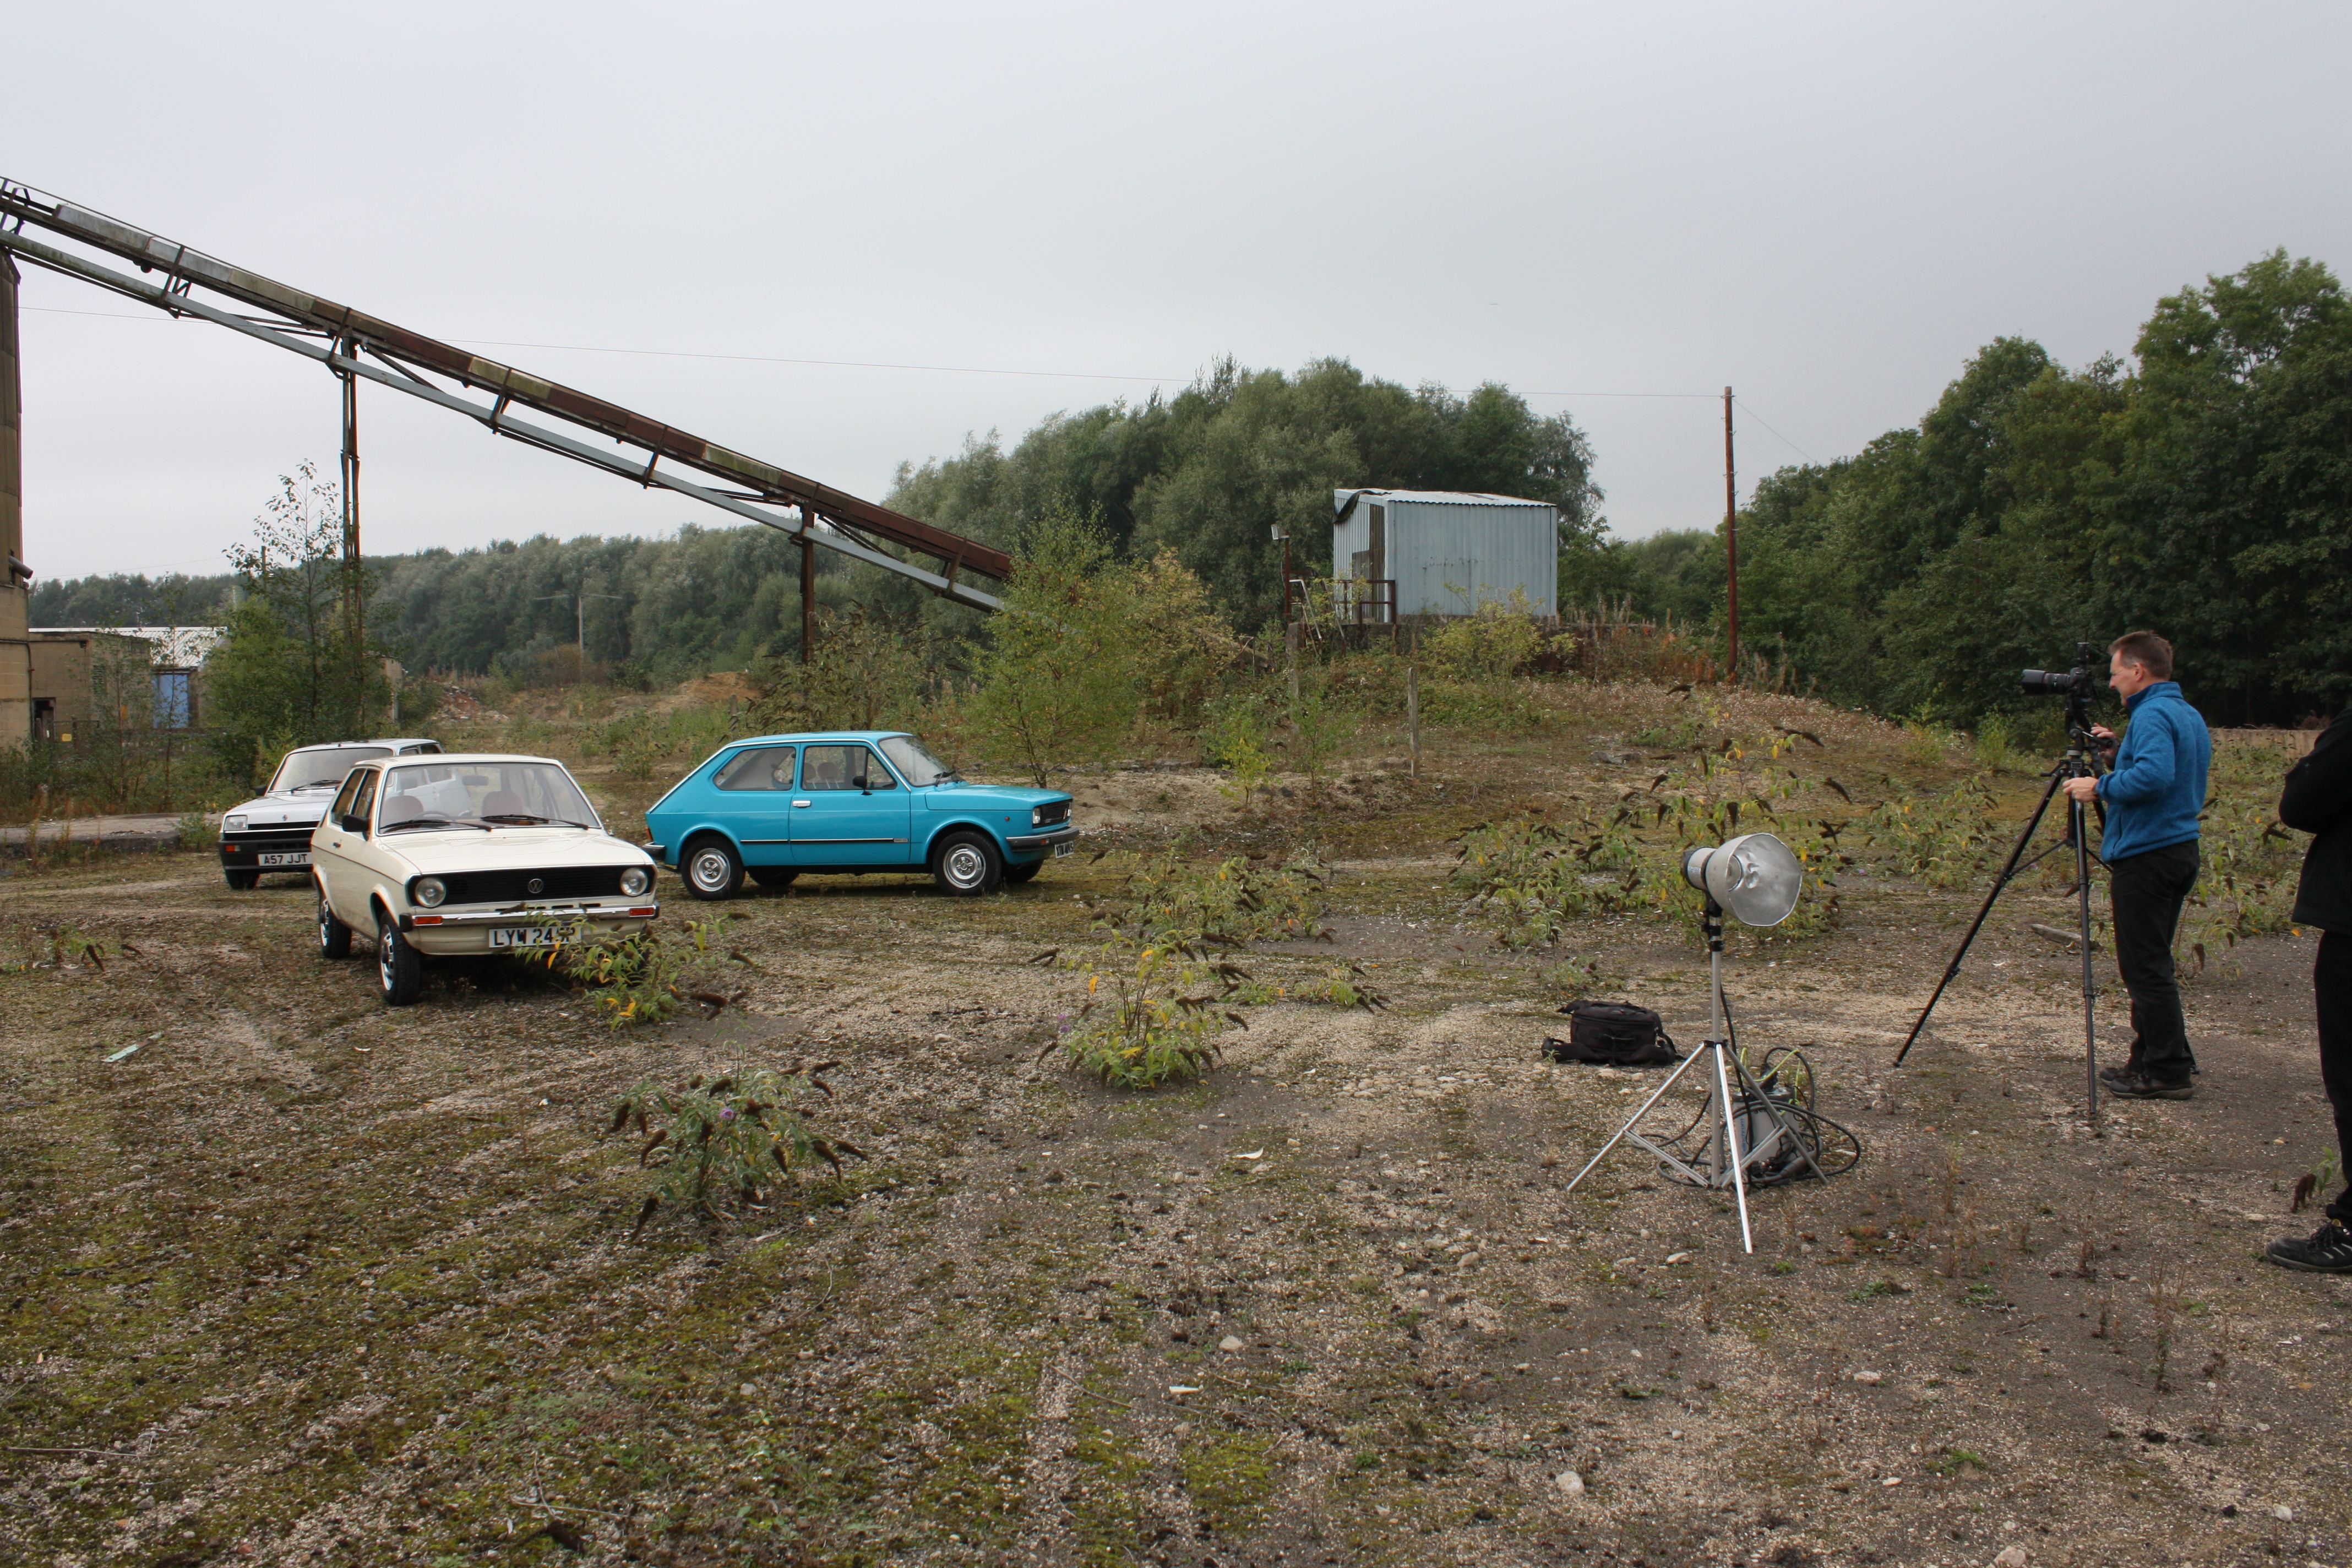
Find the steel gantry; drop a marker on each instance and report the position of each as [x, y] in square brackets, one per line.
[358, 347]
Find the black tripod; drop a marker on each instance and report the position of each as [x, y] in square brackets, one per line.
[2080, 761]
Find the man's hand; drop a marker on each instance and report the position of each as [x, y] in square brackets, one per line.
[2081, 789]
[2101, 732]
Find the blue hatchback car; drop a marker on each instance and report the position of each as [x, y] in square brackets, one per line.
[776, 806]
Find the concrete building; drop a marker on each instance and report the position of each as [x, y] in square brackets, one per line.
[133, 677]
[1409, 555]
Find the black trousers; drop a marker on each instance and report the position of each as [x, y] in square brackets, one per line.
[2148, 890]
[2331, 985]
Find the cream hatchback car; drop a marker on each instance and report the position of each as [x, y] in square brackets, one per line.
[467, 854]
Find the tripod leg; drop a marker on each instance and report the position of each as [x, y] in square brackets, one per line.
[1619, 1137]
[2007, 870]
[2080, 828]
[1730, 1125]
[1748, 1085]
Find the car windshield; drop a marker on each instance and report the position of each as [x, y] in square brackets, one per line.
[920, 766]
[321, 766]
[500, 793]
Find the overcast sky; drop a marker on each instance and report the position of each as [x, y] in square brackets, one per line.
[1827, 207]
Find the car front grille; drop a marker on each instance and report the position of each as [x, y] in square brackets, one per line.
[556, 884]
[1051, 813]
[268, 840]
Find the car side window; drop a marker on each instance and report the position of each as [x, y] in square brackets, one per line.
[757, 767]
[843, 767]
[343, 798]
[828, 767]
[364, 801]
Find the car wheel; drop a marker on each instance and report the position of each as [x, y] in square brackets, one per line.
[1016, 875]
[968, 866]
[770, 876]
[242, 881]
[711, 869]
[334, 936]
[399, 968]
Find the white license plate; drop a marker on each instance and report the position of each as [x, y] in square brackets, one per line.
[1063, 847]
[294, 858]
[523, 936]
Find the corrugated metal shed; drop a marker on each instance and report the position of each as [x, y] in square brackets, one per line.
[1447, 552]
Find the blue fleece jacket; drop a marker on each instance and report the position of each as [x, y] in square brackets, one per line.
[2157, 787]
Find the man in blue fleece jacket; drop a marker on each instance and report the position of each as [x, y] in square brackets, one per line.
[2153, 796]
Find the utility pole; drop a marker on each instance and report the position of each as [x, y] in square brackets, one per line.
[580, 616]
[1283, 534]
[808, 587]
[354, 613]
[1731, 534]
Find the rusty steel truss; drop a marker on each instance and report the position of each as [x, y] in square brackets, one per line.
[345, 341]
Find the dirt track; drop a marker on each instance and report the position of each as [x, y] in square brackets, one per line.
[302, 1281]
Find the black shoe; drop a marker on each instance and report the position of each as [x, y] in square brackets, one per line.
[2139, 1086]
[2113, 1075]
[2327, 1250]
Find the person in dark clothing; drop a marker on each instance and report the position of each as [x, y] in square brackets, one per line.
[2317, 800]
[2149, 844]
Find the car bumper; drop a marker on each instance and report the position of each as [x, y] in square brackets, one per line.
[468, 930]
[1030, 843]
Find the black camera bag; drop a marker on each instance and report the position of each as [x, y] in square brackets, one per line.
[1613, 1034]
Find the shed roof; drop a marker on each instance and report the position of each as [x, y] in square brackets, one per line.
[1342, 499]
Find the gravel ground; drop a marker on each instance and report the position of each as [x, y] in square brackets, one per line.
[304, 1281]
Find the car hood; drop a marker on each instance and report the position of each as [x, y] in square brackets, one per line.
[960, 796]
[455, 849]
[284, 807]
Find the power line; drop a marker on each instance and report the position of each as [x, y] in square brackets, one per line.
[1783, 439]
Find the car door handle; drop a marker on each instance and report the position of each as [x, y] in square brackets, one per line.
[803, 803]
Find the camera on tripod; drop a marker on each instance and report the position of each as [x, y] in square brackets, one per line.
[2074, 684]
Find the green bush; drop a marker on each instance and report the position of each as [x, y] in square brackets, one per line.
[730, 1138]
[1151, 1015]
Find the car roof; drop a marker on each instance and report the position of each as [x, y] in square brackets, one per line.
[442, 759]
[802, 735]
[344, 745]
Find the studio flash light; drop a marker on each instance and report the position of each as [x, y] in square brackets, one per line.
[1759, 1129]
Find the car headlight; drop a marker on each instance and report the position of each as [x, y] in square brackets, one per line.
[635, 880]
[1036, 815]
[430, 892]
[232, 824]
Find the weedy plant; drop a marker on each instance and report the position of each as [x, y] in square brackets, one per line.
[642, 976]
[1151, 1015]
[728, 1139]
[1230, 904]
[2245, 885]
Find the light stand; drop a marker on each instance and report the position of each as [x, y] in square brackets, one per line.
[1758, 881]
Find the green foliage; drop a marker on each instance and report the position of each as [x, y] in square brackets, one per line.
[1237, 734]
[1151, 1015]
[642, 976]
[1528, 877]
[1206, 473]
[1058, 680]
[1499, 641]
[295, 668]
[2203, 492]
[1230, 904]
[1943, 841]
[863, 673]
[650, 741]
[2249, 863]
[729, 1139]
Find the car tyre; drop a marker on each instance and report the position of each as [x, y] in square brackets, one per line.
[399, 968]
[771, 876]
[711, 869]
[242, 881]
[1016, 875]
[334, 936]
[968, 866]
